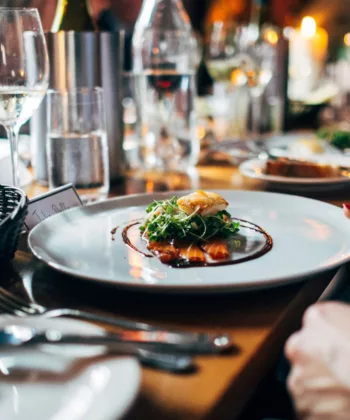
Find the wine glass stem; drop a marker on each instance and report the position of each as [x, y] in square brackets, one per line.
[256, 116]
[12, 135]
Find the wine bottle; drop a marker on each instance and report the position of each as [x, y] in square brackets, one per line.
[73, 15]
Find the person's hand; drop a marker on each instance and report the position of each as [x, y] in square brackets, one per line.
[319, 353]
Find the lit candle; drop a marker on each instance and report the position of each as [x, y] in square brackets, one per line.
[347, 39]
[308, 52]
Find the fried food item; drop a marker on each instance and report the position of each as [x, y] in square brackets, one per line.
[202, 202]
[217, 249]
[165, 251]
[191, 253]
[300, 169]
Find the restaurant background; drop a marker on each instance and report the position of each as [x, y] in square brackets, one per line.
[308, 77]
[334, 16]
[283, 108]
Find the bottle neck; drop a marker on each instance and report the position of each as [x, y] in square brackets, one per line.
[74, 15]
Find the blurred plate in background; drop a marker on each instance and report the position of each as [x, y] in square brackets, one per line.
[255, 168]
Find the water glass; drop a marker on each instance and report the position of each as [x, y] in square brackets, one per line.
[166, 120]
[77, 147]
[24, 72]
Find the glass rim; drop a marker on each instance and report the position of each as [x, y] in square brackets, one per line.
[180, 31]
[18, 9]
[66, 91]
[58, 94]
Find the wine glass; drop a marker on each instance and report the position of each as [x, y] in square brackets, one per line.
[223, 62]
[237, 57]
[257, 61]
[222, 55]
[24, 72]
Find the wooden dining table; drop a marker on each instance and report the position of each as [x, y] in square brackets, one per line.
[259, 322]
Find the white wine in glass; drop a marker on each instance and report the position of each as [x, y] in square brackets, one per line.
[227, 71]
[24, 72]
[222, 60]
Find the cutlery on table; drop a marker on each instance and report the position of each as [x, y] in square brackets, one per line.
[259, 148]
[21, 335]
[146, 349]
[194, 342]
[179, 363]
[14, 305]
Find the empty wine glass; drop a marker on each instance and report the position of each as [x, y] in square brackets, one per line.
[257, 61]
[237, 57]
[223, 61]
[24, 72]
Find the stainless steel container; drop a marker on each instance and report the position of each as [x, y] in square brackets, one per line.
[84, 59]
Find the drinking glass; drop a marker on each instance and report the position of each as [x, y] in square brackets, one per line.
[237, 57]
[24, 72]
[223, 59]
[222, 55]
[77, 148]
[257, 60]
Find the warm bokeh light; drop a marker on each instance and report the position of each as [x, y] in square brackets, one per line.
[347, 39]
[288, 32]
[201, 131]
[149, 186]
[225, 11]
[308, 27]
[238, 78]
[271, 36]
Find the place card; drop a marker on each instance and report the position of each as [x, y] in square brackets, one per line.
[51, 203]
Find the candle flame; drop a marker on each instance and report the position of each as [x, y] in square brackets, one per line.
[347, 39]
[308, 27]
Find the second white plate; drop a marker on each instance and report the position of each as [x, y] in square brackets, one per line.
[254, 168]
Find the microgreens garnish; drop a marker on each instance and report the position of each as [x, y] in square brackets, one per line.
[165, 220]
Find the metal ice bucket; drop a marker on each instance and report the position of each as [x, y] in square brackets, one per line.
[84, 59]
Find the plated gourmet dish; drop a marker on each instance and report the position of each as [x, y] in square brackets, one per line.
[196, 230]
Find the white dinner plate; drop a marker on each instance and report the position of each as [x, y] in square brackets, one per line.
[102, 390]
[309, 237]
[288, 145]
[254, 168]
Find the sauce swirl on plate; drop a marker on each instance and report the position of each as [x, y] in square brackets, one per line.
[236, 245]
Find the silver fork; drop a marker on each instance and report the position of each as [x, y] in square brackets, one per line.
[177, 363]
[14, 305]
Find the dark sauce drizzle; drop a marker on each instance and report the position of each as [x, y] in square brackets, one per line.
[187, 264]
[115, 229]
[129, 243]
[113, 232]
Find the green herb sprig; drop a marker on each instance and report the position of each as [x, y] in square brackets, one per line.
[337, 138]
[166, 220]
